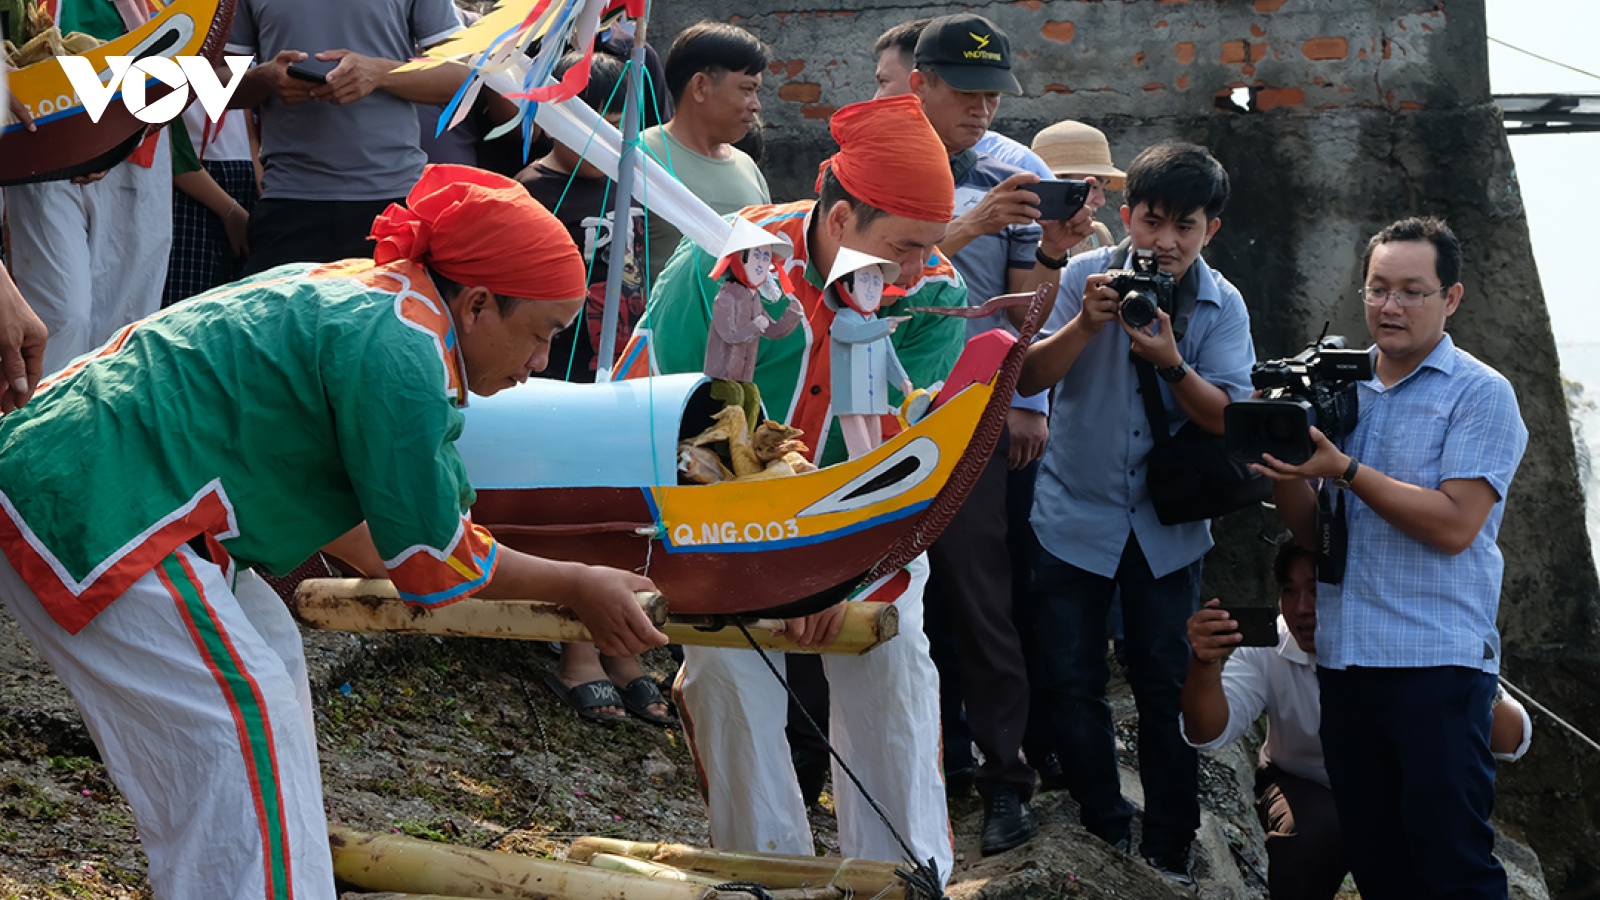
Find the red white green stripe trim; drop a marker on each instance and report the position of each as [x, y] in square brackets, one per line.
[249, 711]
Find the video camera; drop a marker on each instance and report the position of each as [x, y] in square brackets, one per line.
[1316, 387]
[1142, 289]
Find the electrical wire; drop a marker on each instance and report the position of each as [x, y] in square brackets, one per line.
[1553, 62]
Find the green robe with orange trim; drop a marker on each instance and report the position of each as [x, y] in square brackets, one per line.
[272, 415]
[793, 371]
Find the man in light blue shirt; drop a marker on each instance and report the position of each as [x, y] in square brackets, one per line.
[1408, 650]
[1092, 511]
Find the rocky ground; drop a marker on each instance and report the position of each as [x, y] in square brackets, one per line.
[457, 740]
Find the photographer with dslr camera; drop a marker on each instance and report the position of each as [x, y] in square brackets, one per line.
[1408, 651]
[1093, 512]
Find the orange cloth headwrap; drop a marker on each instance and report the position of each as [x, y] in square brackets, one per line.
[889, 157]
[477, 228]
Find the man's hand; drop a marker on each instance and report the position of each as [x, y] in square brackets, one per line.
[1101, 305]
[1327, 461]
[1007, 203]
[19, 111]
[1029, 431]
[1155, 343]
[275, 76]
[22, 340]
[1213, 634]
[1060, 237]
[817, 629]
[355, 77]
[603, 599]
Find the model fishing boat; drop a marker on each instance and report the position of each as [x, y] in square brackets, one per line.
[588, 472]
[67, 143]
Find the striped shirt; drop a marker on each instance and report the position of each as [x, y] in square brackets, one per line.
[1404, 603]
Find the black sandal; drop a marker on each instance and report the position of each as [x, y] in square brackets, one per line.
[639, 696]
[585, 699]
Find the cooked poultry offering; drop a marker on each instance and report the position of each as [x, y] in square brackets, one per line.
[45, 40]
[774, 451]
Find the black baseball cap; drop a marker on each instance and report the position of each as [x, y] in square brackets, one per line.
[968, 51]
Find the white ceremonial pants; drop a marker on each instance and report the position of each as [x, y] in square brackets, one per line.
[92, 258]
[196, 695]
[884, 721]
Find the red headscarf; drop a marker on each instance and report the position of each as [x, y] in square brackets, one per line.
[889, 157]
[477, 228]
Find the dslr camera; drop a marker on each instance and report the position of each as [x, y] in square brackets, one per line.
[1142, 289]
[1316, 387]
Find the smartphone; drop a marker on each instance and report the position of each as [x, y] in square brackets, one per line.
[1059, 200]
[313, 69]
[1258, 624]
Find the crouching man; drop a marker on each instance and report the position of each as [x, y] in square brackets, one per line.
[246, 429]
[1306, 859]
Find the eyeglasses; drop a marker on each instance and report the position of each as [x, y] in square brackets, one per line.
[1377, 297]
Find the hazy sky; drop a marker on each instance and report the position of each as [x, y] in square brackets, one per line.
[1560, 174]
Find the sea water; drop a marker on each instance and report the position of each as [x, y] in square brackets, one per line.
[1580, 377]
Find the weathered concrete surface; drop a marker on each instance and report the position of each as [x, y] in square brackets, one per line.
[1363, 111]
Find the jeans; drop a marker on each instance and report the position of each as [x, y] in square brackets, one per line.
[1069, 630]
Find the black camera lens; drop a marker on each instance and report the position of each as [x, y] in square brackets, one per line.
[1138, 309]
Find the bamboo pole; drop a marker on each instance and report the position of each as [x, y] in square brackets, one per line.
[643, 867]
[387, 862]
[373, 605]
[358, 604]
[390, 895]
[863, 877]
[866, 625]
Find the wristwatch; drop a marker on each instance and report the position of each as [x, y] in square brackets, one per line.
[1048, 261]
[1174, 374]
[1343, 481]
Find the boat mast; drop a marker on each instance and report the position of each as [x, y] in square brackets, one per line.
[622, 221]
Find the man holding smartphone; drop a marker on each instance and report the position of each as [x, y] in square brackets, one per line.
[339, 133]
[1305, 851]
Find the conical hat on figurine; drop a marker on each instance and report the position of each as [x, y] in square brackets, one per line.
[747, 235]
[847, 261]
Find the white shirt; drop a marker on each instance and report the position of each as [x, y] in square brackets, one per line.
[1282, 682]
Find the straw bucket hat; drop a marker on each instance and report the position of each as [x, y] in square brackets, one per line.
[1073, 148]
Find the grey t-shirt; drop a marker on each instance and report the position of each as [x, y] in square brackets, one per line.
[726, 185]
[367, 150]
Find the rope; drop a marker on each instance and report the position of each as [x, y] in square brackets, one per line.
[922, 880]
[1525, 697]
[753, 888]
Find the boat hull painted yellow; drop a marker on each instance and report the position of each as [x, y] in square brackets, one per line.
[67, 143]
[783, 546]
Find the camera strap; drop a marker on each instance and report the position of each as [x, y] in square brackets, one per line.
[1333, 536]
[962, 163]
[1150, 393]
